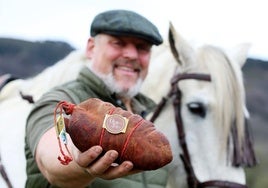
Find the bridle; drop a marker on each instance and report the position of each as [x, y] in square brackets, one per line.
[175, 94]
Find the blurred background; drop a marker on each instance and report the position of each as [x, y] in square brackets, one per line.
[36, 34]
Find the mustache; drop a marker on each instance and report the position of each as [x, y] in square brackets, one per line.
[128, 63]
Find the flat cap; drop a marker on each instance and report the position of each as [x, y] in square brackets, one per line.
[125, 23]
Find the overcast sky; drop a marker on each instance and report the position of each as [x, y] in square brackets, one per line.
[224, 23]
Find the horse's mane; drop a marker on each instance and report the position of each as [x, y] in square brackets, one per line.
[229, 89]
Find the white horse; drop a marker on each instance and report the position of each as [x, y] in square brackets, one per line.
[212, 110]
[207, 109]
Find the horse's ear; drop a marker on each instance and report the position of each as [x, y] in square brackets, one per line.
[240, 52]
[181, 50]
[171, 35]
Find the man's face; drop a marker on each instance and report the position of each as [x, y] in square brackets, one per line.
[125, 59]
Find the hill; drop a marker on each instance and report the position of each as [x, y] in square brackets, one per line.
[23, 59]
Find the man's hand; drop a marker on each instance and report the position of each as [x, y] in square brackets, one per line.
[103, 167]
[83, 169]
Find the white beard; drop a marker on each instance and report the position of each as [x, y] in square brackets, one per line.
[111, 83]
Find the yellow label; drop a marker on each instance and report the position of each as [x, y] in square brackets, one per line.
[60, 124]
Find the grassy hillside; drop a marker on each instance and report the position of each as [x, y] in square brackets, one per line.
[23, 58]
[256, 84]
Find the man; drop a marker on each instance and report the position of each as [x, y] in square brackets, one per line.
[119, 51]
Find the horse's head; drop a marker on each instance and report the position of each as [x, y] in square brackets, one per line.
[211, 106]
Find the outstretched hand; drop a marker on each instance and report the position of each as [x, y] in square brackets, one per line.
[103, 166]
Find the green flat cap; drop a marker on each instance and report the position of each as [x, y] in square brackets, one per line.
[125, 23]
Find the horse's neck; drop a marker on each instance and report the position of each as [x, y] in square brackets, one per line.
[162, 68]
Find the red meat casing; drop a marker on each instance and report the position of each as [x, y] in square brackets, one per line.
[141, 143]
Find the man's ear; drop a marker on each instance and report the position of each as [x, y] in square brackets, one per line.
[90, 47]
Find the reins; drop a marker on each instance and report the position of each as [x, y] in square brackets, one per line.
[175, 94]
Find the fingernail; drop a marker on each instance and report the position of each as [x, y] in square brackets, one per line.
[113, 154]
[128, 166]
[97, 149]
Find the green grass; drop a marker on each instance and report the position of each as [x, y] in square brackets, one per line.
[257, 176]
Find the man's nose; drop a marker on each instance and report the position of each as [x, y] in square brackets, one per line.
[130, 51]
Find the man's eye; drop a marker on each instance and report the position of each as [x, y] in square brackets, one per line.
[144, 48]
[117, 43]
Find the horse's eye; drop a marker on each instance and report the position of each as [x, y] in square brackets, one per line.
[197, 109]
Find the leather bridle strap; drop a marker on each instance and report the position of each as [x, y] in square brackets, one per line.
[192, 180]
[175, 93]
[221, 184]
